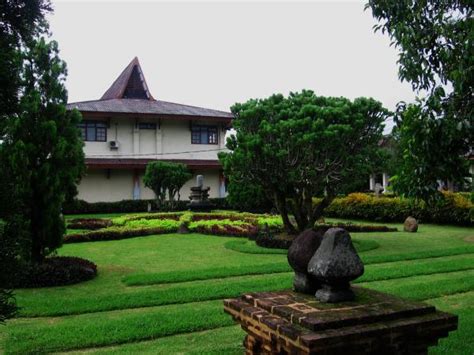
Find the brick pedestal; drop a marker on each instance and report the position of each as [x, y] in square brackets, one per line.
[375, 323]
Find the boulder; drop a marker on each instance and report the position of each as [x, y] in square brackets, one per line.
[410, 225]
[299, 254]
[334, 265]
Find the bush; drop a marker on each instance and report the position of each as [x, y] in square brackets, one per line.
[131, 206]
[89, 223]
[56, 271]
[453, 208]
[268, 240]
[355, 228]
[124, 232]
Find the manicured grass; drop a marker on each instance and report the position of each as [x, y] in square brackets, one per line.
[230, 343]
[113, 327]
[204, 274]
[373, 272]
[433, 264]
[460, 342]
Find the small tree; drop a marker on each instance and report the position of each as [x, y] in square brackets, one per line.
[178, 176]
[42, 151]
[302, 146]
[163, 177]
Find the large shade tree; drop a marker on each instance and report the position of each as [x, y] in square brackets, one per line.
[302, 146]
[436, 55]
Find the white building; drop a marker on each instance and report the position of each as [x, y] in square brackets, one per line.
[127, 128]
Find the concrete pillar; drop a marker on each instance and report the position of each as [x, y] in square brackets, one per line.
[136, 185]
[136, 140]
[158, 140]
[372, 182]
[385, 178]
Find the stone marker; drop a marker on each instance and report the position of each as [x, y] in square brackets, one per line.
[299, 254]
[334, 265]
[410, 225]
[199, 198]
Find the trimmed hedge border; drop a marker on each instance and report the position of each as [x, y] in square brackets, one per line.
[56, 271]
[131, 206]
[453, 208]
[89, 223]
[356, 228]
[114, 234]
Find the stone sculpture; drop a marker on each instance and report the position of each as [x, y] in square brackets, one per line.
[299, 254]
[410, 225]
[334, 265]
[325, 264]
[199, 198]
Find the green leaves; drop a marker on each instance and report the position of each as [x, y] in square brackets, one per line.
[164, 177]
[300, 146]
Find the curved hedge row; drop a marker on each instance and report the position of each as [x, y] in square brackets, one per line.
[453, 208]
[56, 271]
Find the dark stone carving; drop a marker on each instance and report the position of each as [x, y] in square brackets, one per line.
[334, 264]
[299, 254]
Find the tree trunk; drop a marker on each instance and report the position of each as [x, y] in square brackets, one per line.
[317, 212]
[280, 204]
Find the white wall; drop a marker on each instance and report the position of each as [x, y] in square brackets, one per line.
[174, 136]
[97, 187]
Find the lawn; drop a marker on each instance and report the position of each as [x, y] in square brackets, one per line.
[163, 294]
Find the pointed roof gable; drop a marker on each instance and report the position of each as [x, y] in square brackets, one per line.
[130, 84]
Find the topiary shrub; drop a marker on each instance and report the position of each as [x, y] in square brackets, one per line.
[56, 271]
[269, 240]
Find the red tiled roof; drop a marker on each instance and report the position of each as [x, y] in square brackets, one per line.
[127, 163]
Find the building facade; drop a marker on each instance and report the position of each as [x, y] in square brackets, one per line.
[127, 128]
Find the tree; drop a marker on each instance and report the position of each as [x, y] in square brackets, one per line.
[19, 22]
[177, 177]
[42, 149]
[302, 146]
[435, 40]
[163, 177]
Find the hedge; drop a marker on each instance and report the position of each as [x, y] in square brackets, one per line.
[453, 208]
[130, 206]
[56, 271]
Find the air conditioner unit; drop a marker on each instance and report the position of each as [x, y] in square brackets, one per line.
[114, 145]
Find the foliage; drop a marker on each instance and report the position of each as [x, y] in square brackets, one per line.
[89, 223]
[20, 22]
[452, 208]
[137, 228]
[8, 265]
[163, 177]
[301, 146]
[245, 195]
[56, 271]
[436, 57]
[129, 206]
[43, 150]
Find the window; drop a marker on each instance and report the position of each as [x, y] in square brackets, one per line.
[93, 131]
[204, 135]
[146, 125]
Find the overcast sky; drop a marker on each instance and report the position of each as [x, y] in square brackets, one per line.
[213, 54]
